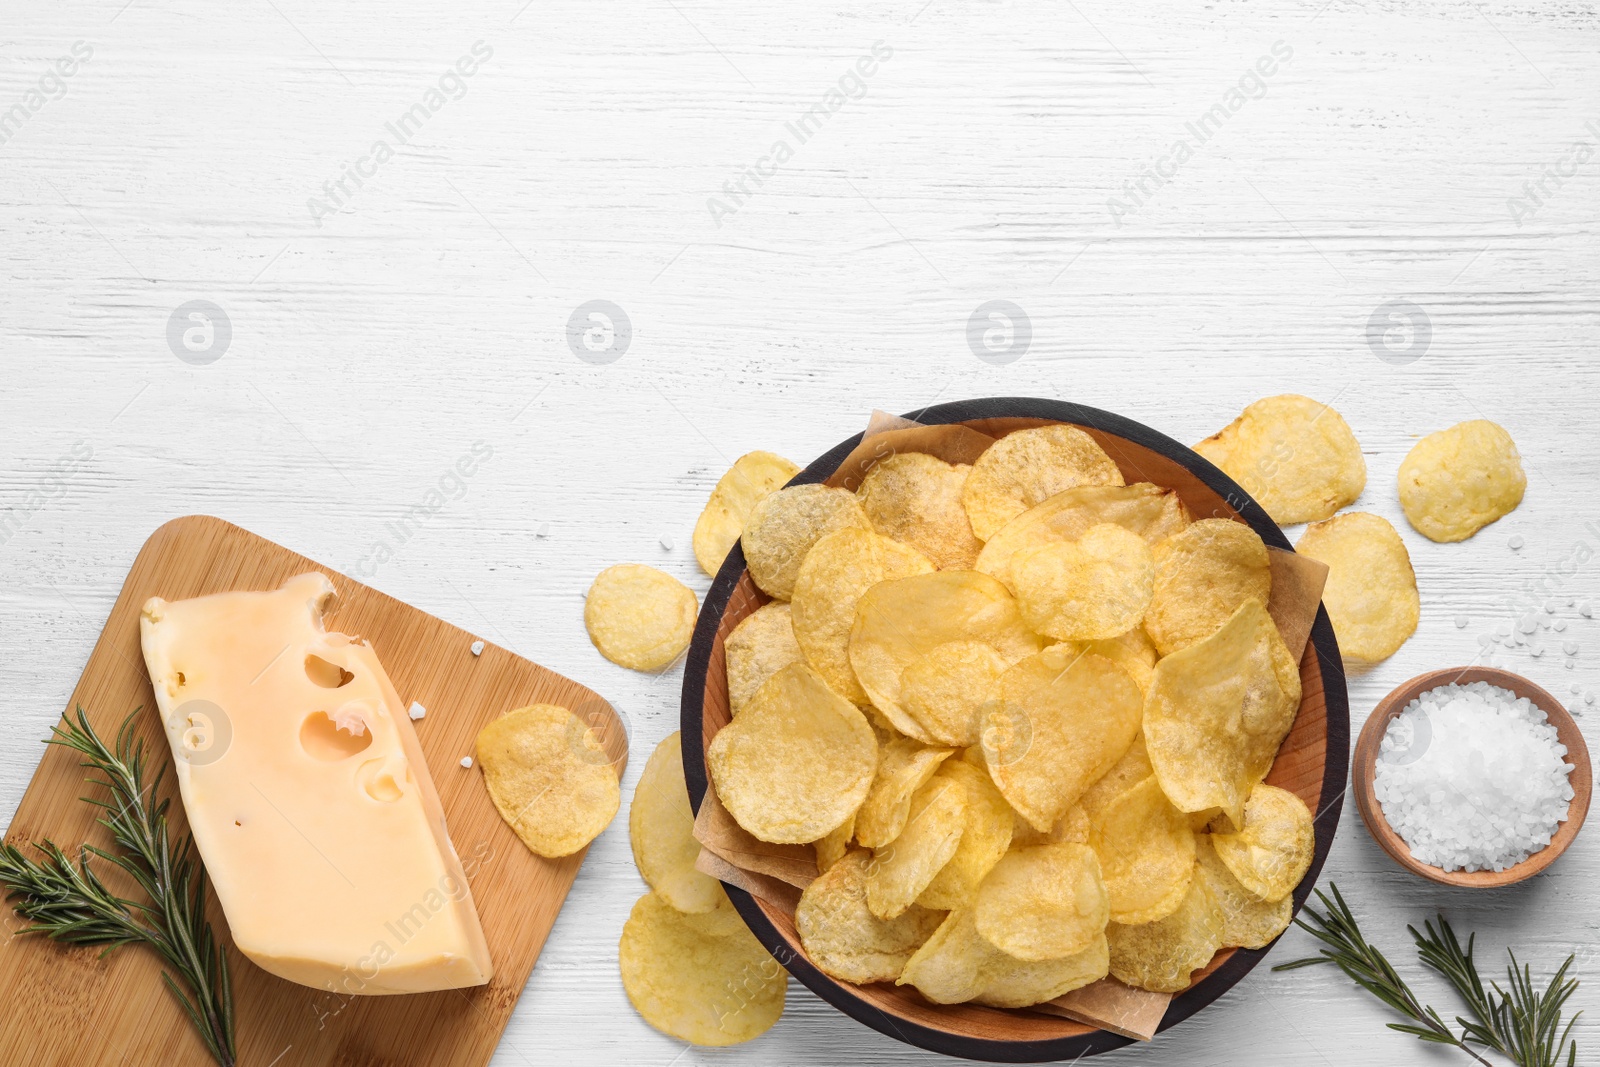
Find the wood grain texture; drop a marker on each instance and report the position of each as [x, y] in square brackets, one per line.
[115, 1011]
[1363, 770]
[371, 351]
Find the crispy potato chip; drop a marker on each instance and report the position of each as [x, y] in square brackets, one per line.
[901, 620]
[1244, 920]
[697, 979]
[1059, 721]
[904, 766]
[751, 478]
[1148, 510]
[831, 849]
[1203, 574]
[796, 762]
[1457, 481]
[1273, 851]
[1072, 828]
[1146, 852]
[1046, 902]
[784, 525]
[1091, 589]
[1028, 467]
[1161, 956]
[957, 965]
[1297, 457]
[916, 498]
[842, 936]
[1218, 710]
[902, 869]
[1371, 594]
[1131, 768]
[760, 646]
[985, 836]
[639, 617]
[549, 777]
[836, 572]
[945, 688]
[661, 831]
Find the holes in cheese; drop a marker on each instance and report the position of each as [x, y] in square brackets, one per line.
[378, 781]
[327, 740]
[321, 672]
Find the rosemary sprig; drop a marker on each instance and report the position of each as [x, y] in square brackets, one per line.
[1523, 1025]
[66, 900]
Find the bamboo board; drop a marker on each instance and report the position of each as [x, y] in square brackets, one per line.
[66, 1006]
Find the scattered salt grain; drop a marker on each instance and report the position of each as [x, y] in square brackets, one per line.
[1472, 778]
[1559, 625]
[466, 761]
[477, 648]
[1587, 610]
[416, 711]
[1461, 622]
[1535, 652]
[1570, 647]
[1550, 607]
[544, 530]
[1515, 542]
[666, 542]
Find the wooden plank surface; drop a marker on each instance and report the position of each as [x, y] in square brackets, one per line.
[99, 1013]
[371, 351]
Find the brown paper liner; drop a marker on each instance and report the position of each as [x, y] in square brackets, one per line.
[777, 873]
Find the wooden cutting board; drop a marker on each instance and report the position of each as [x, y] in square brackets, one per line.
[66, 1006]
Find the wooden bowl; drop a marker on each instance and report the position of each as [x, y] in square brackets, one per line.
[1312, 761]
[1366, 759]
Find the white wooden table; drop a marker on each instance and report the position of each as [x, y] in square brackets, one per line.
[377, 333]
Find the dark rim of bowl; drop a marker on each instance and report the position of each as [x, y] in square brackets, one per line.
[1326, 819]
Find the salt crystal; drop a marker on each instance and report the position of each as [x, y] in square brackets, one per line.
[544, 530]
[1550, 606]
[1472, 778]
[466, 761]
[1570, 647]
[1559, 625]
[416, 711]
[1535, 652]
[1461, 622]
[1515, 542]
[1587, 610]
[477, 648]
[666, 542]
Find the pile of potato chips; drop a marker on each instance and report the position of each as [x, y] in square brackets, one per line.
[1023, 713]
[689, 964]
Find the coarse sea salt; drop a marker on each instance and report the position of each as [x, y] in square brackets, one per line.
[1472, 777]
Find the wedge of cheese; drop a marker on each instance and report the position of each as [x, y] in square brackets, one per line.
[308, 795]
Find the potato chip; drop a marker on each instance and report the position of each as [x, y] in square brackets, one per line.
[1148, 510]
[1244, 920]
[904, 766]
[1457, 481]
[1046, 902]
[901, 620]
[1163, 955]
[1091, 589]
[1072, 828]
[1371, 594]
[1218, 710]
[842, 936]
[957, 965]
[1060, 720]
[836, 572]
[1297, 457]
[1146, 852]
[639, 617]
[915, 498]
[831, 848]
[902, 869]
[1273, 851]
[1203, 574]
[944, 689]
[760, 646]
[549, 777]
[697, 979]
[796, 762]
[1028, 467]
[661, 831]
[751, 478]
[783, 526]
[1131, 768]
[985, 836]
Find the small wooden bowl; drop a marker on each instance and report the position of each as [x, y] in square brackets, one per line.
[1312, 761]
[1364, 766]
